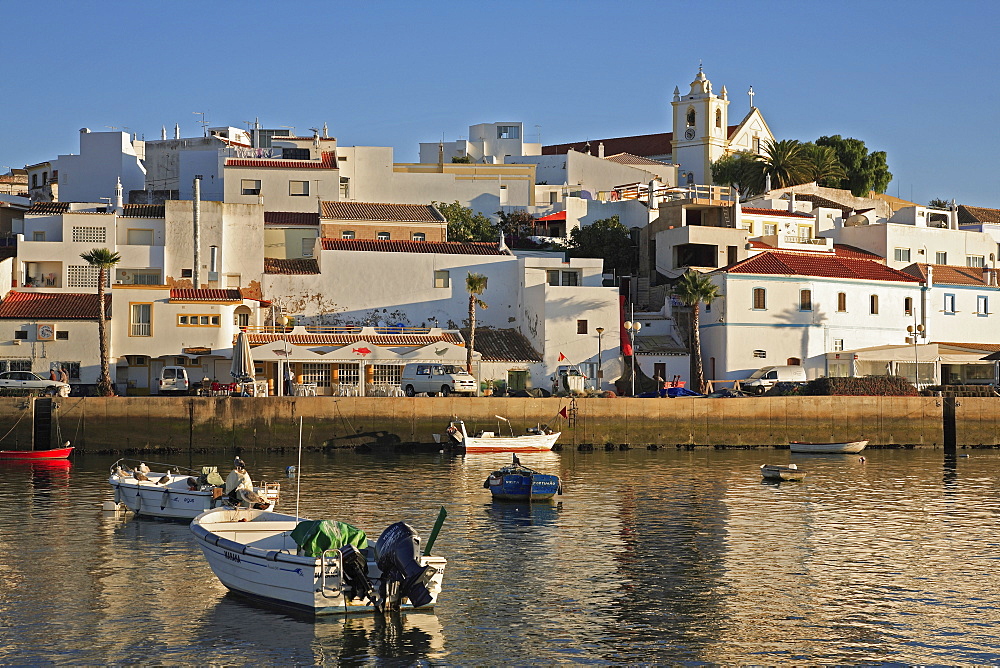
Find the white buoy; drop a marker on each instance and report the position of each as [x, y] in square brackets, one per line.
[110, 506]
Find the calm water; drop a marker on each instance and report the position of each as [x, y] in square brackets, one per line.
[650, 557]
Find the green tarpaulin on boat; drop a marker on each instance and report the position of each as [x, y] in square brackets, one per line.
[316, 536]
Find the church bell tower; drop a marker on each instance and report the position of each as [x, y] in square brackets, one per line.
[701, 127]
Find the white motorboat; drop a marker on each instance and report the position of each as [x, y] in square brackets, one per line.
[318, 567]
[538, 439]
[847, 447]
[182, 494]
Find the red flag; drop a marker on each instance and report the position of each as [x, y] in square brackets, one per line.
[561, 357]
[563, 412]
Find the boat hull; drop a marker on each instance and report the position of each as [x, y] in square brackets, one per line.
[828, 448]
[33, 455]
[537, 487]
[775, 472]
[173, 501]
[528, 443]
[252, 554]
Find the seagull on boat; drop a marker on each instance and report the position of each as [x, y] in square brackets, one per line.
[143, 468]
[239, 464]
[164, 480]
[140, 476]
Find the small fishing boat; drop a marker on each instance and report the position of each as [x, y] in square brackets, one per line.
[778, 472]
[180, 493]
[847, 447]
[516, 482]
[34, 455]
[537, 439]
[321, 567]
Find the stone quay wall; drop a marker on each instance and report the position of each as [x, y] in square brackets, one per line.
[207, 424]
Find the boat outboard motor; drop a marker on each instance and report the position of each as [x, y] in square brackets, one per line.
[356, 572]
[398, 550]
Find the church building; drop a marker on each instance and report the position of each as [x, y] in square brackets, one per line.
[701, 134]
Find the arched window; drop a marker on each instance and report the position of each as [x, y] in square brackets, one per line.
[908, 305]
[718, 118]
[874, 304]
[34, 180]
[793, 361]
[690, 117]
[841, 302]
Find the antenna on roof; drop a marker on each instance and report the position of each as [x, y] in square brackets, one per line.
[204, 123]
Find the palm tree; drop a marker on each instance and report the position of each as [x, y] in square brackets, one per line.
[785, 162]
[692, 289]
[822, 164]
[475, 285]
[103, 259]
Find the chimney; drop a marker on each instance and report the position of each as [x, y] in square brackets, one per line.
[177, 131]
[791, 201]
[119, 199]
[326, 133]
[600, 150]
[930, 276]
[163, 132]
[196, 218]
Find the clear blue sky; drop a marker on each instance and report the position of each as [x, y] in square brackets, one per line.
[916, 79]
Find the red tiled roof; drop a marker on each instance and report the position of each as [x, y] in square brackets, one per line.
[759, 244]
[385, 340]
[640, 145]
[205, 295]
[774, 212]
[408, 213]
[290, 218]
[54, 305]
[329, 161]
[558, 215]
[16, 179]
[273, 265]
[445, 247]
[949, 274]
[844, 250]
[795, 264]
[48, 208]
[503, 345]
[629, 159]
[977, 214]
[144, 211]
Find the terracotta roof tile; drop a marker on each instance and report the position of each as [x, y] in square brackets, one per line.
[385, 340]
[329, 161]
[303, 266]
[410, 213]
[660, 143]
[970, 215]
[844, 250]
[144, 211]
[949, 274]
[829, 266]
[54, 305]
[816, 201]
[629, 159]
[290, 218]
[48, 208]
[503, 345]
[205, 295]
[779, 213]
[445, 247]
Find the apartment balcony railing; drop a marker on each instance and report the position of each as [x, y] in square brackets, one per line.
[327, 329]
[818, 241]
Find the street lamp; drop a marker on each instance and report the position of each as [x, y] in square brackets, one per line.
[632, 328]
[600, 348]
[915, 332]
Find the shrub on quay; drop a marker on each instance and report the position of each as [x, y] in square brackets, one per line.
[865, 386]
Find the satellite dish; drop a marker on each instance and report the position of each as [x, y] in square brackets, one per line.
[856, 220]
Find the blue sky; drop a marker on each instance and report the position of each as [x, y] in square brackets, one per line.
[916, 79]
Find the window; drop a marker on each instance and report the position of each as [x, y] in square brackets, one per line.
[382, 236]
[975, 261]
[72, 368]
[508, 132]
[770, 229]
[805, 233]
[140, 320]
[139, 237]
[756, 145]
[307, 246]
[838, 344]
[318, 373]
[294, 154]
[941, 257]
[842, 302]
[62, 336]
[34, 180]
[137, 360]
[793, 361]
[571, 278]
[345, 186]
[418, 236]
[298, 188]
[718, 118]
[982, 304]
[198, 320]
[908, 306]
[581, 326]
[442, 279]
[949, 304]
[21, 334]
[873, 303]
[346, 374]
[38, 236]
[250, 186]
[901, 254]
[90, 235]
[145, 279]
[552, 276]
[805, 300]
[241, 320]
[387, 374]
[691, 117]
[15, 365]
[760, 354]
[213, 259]
[187, 273]
[347, 234]
[759, 298]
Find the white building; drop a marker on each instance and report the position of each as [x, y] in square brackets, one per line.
[489, 143]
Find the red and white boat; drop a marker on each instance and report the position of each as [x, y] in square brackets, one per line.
[847, 447]
[538, 439]
[35, 455]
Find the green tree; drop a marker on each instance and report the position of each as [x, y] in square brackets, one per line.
[822, 165]
[517, 224]
[104, 259]
[785, 162]
[865, 172]
[744, 170]
[462, 160]
[607, 239]
[692, 289]
[464, 224]
[475, 285]
[938, 203]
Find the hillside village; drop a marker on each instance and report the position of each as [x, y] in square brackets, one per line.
[336, 262]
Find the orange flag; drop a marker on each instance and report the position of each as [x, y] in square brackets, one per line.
[561, 357]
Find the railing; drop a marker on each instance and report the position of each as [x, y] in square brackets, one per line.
[140, 329]
[818, 241]
[328, 329]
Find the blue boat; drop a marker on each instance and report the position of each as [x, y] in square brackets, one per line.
[516, 482]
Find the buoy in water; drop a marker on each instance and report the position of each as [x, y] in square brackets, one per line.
[110, 506]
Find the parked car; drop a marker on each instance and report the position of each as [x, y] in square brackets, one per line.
[25, 380]
[433, 378]
[174, 380]
[763, 379]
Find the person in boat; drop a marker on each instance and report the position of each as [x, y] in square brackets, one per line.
[238, 479]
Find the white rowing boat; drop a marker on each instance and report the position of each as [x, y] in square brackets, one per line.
[847, 447]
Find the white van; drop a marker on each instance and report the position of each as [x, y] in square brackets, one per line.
[174, 380]
[763, 379]
[433, 378]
